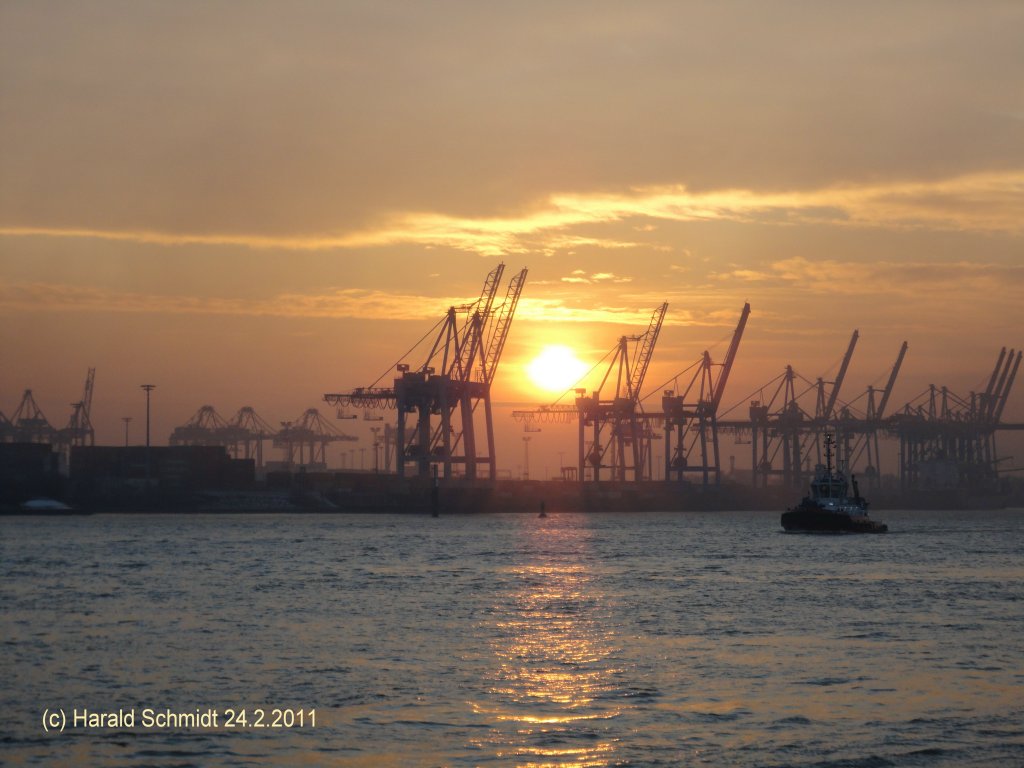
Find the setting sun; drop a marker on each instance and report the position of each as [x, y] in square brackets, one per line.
[556, 368]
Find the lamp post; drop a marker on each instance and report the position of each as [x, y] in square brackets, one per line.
[376, 448]
[149, 388]
[126, 420]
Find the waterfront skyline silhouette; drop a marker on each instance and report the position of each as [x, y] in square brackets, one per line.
[256, 225]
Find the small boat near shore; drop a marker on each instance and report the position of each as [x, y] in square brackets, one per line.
[43, 506]
[829, 508]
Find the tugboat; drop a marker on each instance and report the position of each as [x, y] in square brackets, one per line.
[828, 509]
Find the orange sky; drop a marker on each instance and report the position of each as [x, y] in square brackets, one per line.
[254, 204]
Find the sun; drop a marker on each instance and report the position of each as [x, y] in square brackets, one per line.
[556, 368]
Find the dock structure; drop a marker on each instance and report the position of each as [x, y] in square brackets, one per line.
[443, 421]
[948, 440]
[945, 440]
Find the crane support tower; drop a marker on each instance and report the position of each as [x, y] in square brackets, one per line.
[787, 430]
[438, 401]
[691, 417]
[873, 422]
[621, 433]
[246, 433]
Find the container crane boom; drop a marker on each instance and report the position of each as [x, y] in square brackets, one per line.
[892, 381]
[89, 381]
[489, 362]
[473, 332]
[1004, 394]
[730, 358]
[989, 390]
[834, 395]
[644, 353]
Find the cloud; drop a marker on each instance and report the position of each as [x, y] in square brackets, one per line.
[259, 242]
[557, 310]
[903, 278]
[549, 244]
[580, 276]
[983, 202]
[604, 300]
[341, 303]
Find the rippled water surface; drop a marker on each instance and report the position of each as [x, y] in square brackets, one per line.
[587, 640]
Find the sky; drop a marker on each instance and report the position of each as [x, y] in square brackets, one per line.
[255, 203]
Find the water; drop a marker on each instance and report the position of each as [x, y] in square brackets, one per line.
[509, 640]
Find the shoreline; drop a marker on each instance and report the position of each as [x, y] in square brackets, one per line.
[390, 495]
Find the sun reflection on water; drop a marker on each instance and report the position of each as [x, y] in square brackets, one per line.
[553, 691]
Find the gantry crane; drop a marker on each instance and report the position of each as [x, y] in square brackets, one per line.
[246, 433]
[206, 427]
[947, 440]
[783, 425]
[621, 433]
[79, 430]
[450, 385]
[691, 417]
[873, 422]
[307, 438]
[29, 424]
[783, 430]
[242, 436]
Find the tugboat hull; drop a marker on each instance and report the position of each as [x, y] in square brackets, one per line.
[821, 521]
